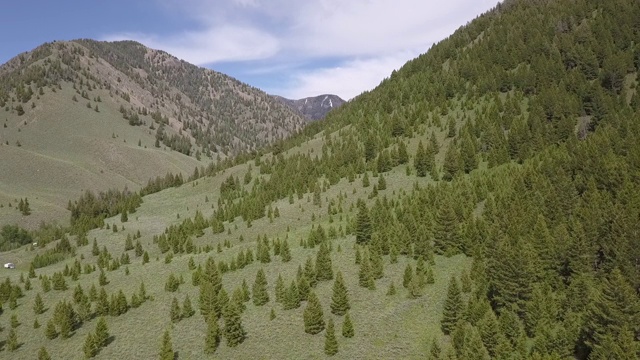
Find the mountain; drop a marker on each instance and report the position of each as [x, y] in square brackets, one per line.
[315, 107]
[90, 115]
[482, 202]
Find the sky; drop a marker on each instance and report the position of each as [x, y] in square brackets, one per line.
[292, 48]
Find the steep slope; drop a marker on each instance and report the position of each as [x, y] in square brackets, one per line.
[315, 107]
[93, 115]
[489, 217]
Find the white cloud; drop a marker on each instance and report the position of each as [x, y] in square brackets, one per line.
[224, 43]
[347, 80]
[370, 37]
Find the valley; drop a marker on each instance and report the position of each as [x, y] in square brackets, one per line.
[480, 203]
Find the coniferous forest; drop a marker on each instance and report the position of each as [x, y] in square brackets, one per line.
[482, 202]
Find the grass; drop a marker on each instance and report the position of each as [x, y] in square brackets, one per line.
[385, 326]
[70, 148]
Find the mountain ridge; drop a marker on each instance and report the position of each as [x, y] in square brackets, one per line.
[121, 113]
[314, 107]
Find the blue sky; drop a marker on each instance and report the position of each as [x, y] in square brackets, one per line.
[291, 48]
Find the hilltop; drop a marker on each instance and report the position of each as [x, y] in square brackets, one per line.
[314, 107]
[481, 202]
[90, 115]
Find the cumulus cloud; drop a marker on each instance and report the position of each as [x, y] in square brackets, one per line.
[369, 37]
[217, 44]
[346, 80]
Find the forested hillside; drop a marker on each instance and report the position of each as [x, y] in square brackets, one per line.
[482, 202]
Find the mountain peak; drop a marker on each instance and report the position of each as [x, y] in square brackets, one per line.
[314, 107]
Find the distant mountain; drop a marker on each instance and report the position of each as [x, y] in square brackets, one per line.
[316, 107]
[86, 114]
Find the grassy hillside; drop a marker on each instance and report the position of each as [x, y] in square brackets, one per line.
[61, 148]
[87, 115]
[501, 166]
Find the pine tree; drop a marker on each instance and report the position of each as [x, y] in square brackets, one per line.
[434, 353]
[377, 265]
[43, 354]
[233, 330]
[490, 332]
[392, 289]
[303, 288]
[260, 294]
[347, 327]
[208, 300]
[175, 314]
[340, 298]
[408, 275]
[38, 305]
[212, 340]
[187, 308]
[90, 346]
[285, 252]
[50, 331]
[12, 340]
[366, 275]
[473, 347]
[292, 297]
[166, 348]
[420, 161]
[330, 342]
[324, 270]
[363, 224]
[102, 333]
[615, 308]
[446, 237]
[313, 315]
[451, 164]
[453, 307]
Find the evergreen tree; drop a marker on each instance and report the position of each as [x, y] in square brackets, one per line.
[615, 308]
[330, 342]
[324, 270]
[233, 330]
[90, 346]
[340, 298]
[392, 289]
[446, 237]
[434, 353]
[285, 252]
[260, 294]
[102, 333]
[420, 161]
[43, 354]
[377, 265]
[363, 224]
[166, 347]
[292, 297]
[366, 275]
[187, 308]
[38, 305]
[208, 300]
[347, 327]
[212, 340]
[408, 276]
[12, 340]
[175, 314]
[453, 307]
[313, 315]
[50, 331]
